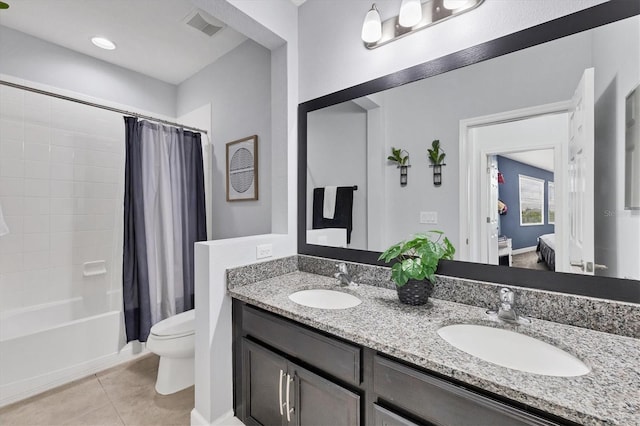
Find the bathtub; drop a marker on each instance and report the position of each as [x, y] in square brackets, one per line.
[48, 345]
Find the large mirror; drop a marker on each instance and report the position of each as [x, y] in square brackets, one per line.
[534, 174]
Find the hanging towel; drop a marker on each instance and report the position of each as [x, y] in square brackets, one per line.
[4, 229]
[329, 202]
[343, 217]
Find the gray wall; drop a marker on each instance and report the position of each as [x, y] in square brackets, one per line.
[336, 155]
[238, 86]
[36, 60]
[616, 58]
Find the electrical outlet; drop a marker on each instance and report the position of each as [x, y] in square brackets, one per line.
[264, 250]
[429, 217]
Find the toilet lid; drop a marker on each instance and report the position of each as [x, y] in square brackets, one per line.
[179, 324]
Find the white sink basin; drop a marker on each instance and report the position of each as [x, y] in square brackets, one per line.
[513, 350]
[325, 299]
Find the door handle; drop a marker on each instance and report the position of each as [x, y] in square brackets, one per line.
[280, 392]
[598, 266]
[289, 408]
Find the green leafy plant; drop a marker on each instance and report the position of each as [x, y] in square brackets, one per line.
[396, 156]
[436, 155]
[418, 257]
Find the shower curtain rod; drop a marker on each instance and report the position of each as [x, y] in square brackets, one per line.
[95, 105]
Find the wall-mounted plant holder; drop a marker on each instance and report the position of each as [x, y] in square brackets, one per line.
[403, 163]
[404, 174]
[436, 156]
[437, 173]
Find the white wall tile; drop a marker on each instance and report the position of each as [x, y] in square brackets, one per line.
[14, 223]
[35, 260]
[11, 290]
[60, 137]
[37, 134]
[36, 188]
[36, 206]
[11, 243]
[61, 188]
[11, 130]
[62, 223]
[35, 242]
[11, 262]
[62, 206]
[36, 224]
[36, 169]
[37, 108]
[36, 151]
[12, 206]
[11, 149]
[36, 287]
[62, 154]
[11, 103]
[11, 167]
[11, 187]
[62, 171]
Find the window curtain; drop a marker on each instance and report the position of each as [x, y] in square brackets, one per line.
[164, 215]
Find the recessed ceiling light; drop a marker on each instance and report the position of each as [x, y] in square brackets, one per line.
[103, 43]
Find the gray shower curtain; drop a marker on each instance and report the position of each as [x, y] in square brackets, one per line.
[164, 215]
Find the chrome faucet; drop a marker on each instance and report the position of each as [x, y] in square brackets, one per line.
[506, 310]
[343, 275]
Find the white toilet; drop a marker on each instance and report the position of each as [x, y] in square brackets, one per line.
[173, 340]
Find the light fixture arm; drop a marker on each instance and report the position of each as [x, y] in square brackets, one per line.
[433, 12]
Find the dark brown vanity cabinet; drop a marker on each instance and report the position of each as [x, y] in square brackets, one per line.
[288, 374]
[279, 392]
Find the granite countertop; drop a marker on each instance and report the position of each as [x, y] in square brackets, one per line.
[609, 394]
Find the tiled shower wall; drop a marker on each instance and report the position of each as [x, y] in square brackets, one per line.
[61, 191]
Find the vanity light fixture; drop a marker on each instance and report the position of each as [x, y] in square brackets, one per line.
[372, 26]
[414, 16]
[103, 43]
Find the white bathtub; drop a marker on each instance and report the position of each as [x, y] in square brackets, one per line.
[48, 345]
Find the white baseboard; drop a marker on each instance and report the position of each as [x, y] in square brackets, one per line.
[226, 419]
[524, 250]
[17, 391]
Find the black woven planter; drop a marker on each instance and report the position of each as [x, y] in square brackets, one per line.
[415, 292]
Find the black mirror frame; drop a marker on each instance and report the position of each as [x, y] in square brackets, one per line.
[600, 287]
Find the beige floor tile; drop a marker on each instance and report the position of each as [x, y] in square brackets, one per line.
[105, 416]
[57, 405]
[144, 363]
[146, 407]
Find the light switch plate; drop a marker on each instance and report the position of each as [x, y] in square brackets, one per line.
[429, 217]
[264, 250]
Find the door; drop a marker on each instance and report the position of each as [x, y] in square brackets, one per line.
[581, 176]
[320, 402]
[265, 381]
[492, 219]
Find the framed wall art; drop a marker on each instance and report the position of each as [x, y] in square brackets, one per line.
[242, 169]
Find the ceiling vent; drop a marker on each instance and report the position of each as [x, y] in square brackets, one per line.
[201, 24]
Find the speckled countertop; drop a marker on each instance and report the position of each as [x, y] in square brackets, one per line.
[609, 394]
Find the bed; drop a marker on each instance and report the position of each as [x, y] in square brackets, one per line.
[546, 250]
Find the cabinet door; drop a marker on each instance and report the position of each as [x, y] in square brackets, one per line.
[320, 402]
[265, 378]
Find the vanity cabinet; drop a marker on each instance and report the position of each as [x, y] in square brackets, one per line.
[280, 392]
[281, 366]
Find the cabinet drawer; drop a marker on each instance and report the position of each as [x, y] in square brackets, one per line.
[339, 359]
[441, 402]
[384, 417]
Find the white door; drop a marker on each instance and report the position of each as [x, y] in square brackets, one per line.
[492, 219]
[580, 182]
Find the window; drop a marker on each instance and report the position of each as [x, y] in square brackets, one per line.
[551, 196]
[531, 200]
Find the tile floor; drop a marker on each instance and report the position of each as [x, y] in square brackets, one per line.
[122, 395]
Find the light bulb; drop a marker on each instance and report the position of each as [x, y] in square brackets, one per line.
[455, 4]
[410, 13]
[372, 26]
[103, 43]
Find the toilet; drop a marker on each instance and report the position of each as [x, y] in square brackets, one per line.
[173, 340]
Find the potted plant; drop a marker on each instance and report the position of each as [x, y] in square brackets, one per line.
[416, 263]
[436, 155]
[403, 163]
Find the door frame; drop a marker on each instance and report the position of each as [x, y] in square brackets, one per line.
[473, 182]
